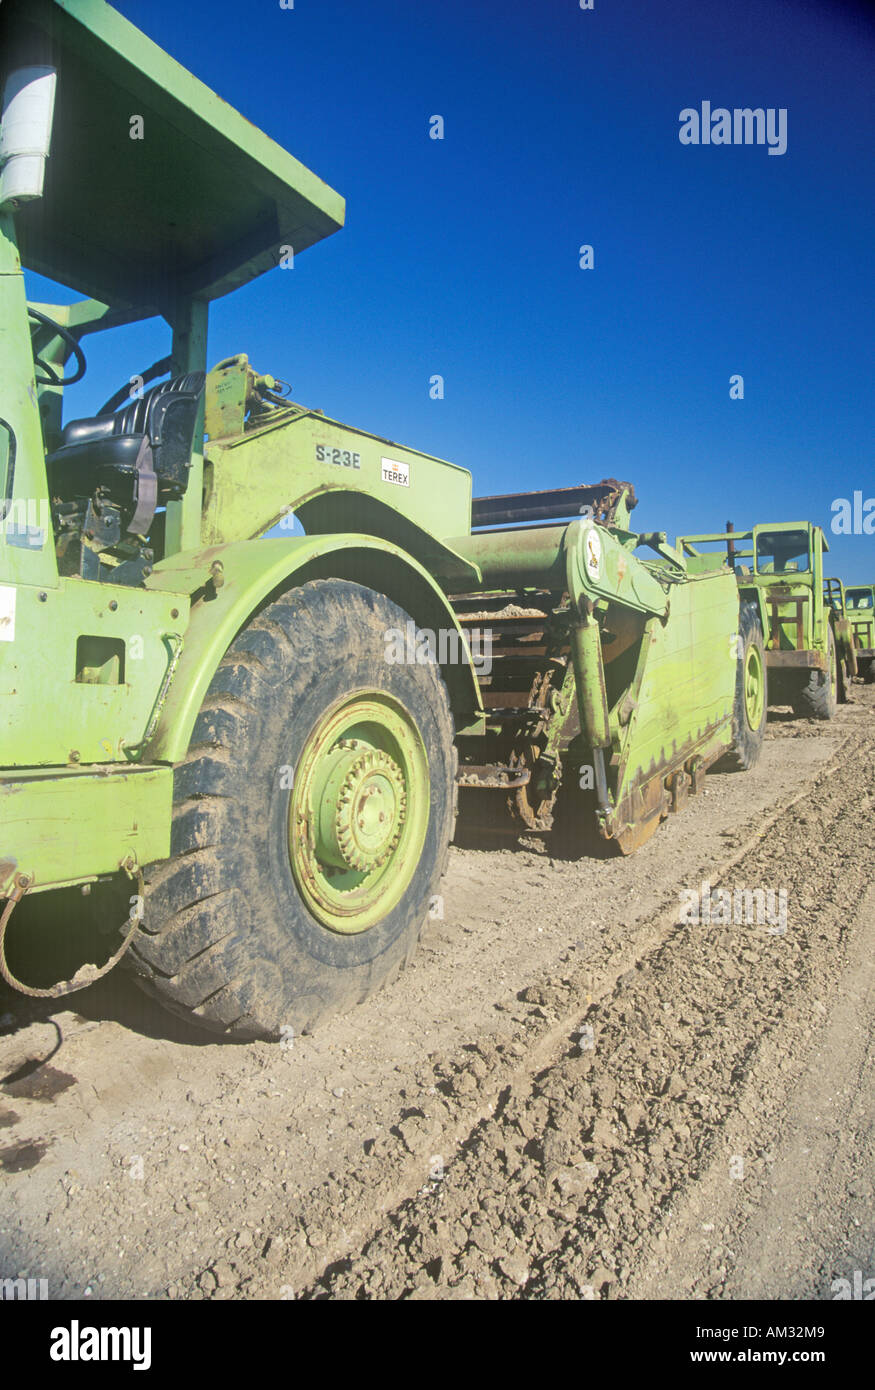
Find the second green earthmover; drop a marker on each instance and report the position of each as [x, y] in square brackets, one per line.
[780, 572]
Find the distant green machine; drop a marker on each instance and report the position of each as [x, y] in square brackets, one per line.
[256, 744]
[860, 612]
[779, 568]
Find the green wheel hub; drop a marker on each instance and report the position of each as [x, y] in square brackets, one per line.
[754, 686]
[362, 807]
[359, 811]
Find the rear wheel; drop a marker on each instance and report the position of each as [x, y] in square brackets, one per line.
[750, 705]
[819, 695]
[311, 823]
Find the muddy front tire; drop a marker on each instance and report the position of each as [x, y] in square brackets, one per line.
[750, 706]
[311, 824]
[818, 696]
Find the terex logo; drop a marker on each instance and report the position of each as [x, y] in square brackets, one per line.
[75, 1343]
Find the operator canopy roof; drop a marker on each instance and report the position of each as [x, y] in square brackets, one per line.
[199, 206]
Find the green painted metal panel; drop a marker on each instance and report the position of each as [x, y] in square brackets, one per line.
[688, 685]
[327, 472]
[81, 670]
[62, 826]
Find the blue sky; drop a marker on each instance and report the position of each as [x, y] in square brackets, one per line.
[460, 257]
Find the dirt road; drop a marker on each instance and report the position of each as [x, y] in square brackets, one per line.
[570, 1094]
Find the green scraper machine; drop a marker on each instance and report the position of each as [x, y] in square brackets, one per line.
[240, 756]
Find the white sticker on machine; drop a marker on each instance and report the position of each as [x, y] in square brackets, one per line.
[7, 614]
[395, 472]
[593, 553]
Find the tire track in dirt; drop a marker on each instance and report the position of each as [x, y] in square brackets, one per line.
[571, 1183]
[801, 1215]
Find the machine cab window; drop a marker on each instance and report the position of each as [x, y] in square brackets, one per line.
[782, 552]
[859, 599]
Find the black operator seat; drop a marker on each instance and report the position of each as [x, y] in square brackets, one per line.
[139, 455]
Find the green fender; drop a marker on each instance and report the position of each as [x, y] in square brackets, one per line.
[227, 583]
